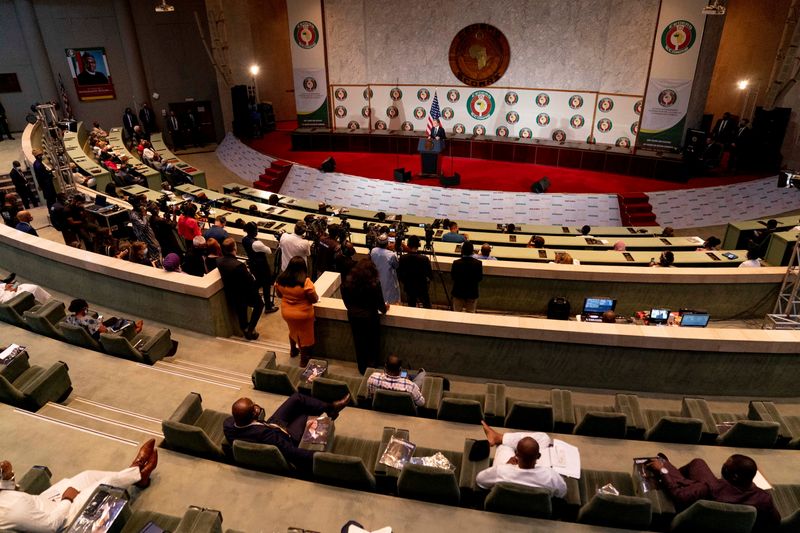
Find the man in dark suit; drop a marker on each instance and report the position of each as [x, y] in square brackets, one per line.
[129, 120]
[4, 124]
[284, 429]
[89, 75]
[467, 274]
[21, 186]
[695, 481]
[740, 145]
[240, 289]
[45, 178]
[174, 128]
[437, 131]
[724, 130]
[147, 119]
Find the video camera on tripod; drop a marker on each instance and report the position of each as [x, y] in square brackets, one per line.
[396, 232]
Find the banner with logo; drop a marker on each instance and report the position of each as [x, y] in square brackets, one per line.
[308, 63]
[676, 49]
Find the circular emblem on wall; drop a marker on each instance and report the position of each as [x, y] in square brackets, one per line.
[512, 117]
[635, 128]
[447, 113]
[306, 35]
[525, 133]
[502, 131]
[479, 130]
[577, 122]
[604, 125]
[391, 112]
[340, 94]
[366, 112]
[367, 93]
[459, 128]
[511, 98]
[623, 142]
[543, 119]
[559, 136]
[423, 95]
[479, 55]
[667, 98]
[542, 99]
[419, 113]
[353, 125]
[605, 105]
[591, 140]
[576, 101]
[309, 84]
[396, 94]
[480, 105]
[380, 125]
[678, 37]
[407, 126]
[453, 95]
[637, 107]
[340, 111]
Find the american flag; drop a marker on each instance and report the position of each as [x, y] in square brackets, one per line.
[433, 115]
[65, 105]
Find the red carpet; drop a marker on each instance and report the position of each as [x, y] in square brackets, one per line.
[480, 174]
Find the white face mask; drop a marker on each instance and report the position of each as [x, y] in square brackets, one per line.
[8, 484]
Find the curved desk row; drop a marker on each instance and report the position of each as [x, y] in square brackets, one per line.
[117, 143]
[87, 164]
[619, 357]
[198, 176]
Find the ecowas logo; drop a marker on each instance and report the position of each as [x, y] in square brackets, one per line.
[678, 37]
[480, 105]
[306, 35]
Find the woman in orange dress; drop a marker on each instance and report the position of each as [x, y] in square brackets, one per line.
[298, 297]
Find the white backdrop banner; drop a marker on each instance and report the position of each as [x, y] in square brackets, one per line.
[308, 62]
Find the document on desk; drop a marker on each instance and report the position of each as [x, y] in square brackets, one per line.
[563, 458]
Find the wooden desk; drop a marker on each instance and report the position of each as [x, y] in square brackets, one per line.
[738, 233]
[117, 144]
[198, 176]
[86, 163]
[779, 249]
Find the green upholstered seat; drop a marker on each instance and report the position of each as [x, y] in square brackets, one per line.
[269, 378]
[142, 348]
[592, 480]
[751, 434]
[715, 517]
[628, 404]
[530, 416]
[139, 519]
[494, 404]
[186, 429]
[11, 312]
[466, 411]
[44, 319]
[791, 523]
[79, 336]
[676, 429]
[31, 387]
[698, 408]
[331, 390]
[428, 484]
[395, 402]
[199, 520]
[263, 457]
[511, 498]
[787, 502]
[563, 412]
[470, 469]
[602, 424]
[36, 480]
[609, 510]
[343, 471]
[768, 412]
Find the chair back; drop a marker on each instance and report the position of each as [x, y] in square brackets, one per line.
[119, 346]
[44, 319]
[460, 410]
[78, 336]
[751, 434]
[511, 498]
[343, 471]
[715, 517]
[677, 429]
[602, 424]
[329, 390]
[530, 416]
[428, 484]
[263, 457]
[395, 402]
[609, 510]
[273, 380]
[11, 311]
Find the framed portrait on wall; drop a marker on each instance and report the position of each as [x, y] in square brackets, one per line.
[90, 72]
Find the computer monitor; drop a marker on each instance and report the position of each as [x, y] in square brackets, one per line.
[694, 320]
[659, 316]
[100, 200]
[598, 305]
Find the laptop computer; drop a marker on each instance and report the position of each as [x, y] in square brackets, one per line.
[658, 316]
[100, 201]
[594, 307]
[694, 320]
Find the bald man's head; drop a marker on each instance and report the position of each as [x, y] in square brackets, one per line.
[739, 470]
[244, 411]
[527, 452]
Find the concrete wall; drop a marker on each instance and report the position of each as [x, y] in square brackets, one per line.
[15, 58]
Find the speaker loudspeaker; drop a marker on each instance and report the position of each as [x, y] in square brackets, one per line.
[540, 186]
[450, 181]
[402, 175]
[329, 165]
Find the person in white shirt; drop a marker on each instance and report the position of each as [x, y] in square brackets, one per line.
[515, 462]
[59, 505]
[752, 259]
[9, 290]
[294, 245]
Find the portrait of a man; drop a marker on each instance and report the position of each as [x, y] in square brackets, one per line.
[90, 75]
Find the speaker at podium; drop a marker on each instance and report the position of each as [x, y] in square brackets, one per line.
[430, 157]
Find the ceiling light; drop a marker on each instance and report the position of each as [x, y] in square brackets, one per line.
[164, 7]
[714, 8]
[742, 84]
[254, 70]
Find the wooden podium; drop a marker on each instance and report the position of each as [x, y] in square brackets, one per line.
[430, 157]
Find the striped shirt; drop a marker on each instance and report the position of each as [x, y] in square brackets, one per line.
[381, 380]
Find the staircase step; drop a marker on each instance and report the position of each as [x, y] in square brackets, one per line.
[116, 414]
[217, 375]
[87, 421]
[638, 208]
[281, 164]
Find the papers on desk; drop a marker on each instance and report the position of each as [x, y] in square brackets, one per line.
[563, 458]
[11, 352]
[355, 529]
[761, 482]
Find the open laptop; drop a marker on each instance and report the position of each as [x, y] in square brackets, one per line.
[100, 201]
[694, 320]
[658, 316]
[594, 307]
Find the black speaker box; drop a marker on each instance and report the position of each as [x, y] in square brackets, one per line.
[540, 186]
[329, 165]
[450, 181]
[241, 111]
[402, 175]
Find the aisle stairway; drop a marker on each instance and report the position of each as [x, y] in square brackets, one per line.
[273, 177]
[635, 209]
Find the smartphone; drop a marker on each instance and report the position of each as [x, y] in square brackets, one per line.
[730, 255]
[458, 249]
[404, 373]
[422, 225]
[565, 229]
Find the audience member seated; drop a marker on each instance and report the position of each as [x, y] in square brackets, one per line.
[24, 225]
[668, 232]
[217, 231]
[665, 260]
[10, 209]
[695, 481]
[563, 258]
[453, 235]
[284, 428]
[515, 462]
[485, 253]
[194, 262]
[753, 261]
[60, 504]
[139, 254]
[98, 131]
[710, 244]
[620, 246]
[586, 230]
[172, 263]
[9, 290]
[79, 179]
[92, 322]
[609, 317]
[536, 241]
[391, 379]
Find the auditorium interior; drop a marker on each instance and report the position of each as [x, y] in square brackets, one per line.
[649, 146]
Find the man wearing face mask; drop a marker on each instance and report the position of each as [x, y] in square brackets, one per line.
[60, 504]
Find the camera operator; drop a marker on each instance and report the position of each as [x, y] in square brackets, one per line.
[415, 273]
[328, 248]
[294, 245]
